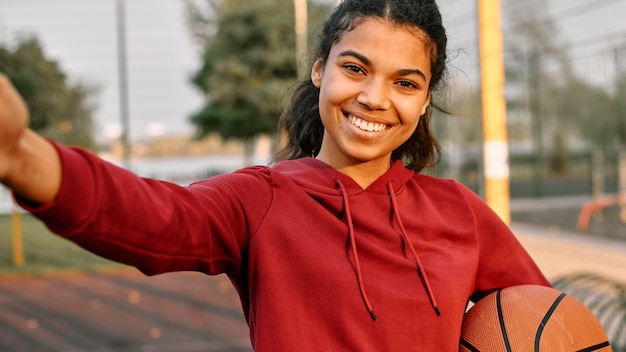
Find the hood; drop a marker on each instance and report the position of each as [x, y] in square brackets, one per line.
[318, 177]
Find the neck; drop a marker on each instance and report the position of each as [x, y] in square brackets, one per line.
[363, 173]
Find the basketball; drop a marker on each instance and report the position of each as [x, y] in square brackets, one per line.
[531, 318]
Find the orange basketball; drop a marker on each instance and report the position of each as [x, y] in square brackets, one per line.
[531, 318]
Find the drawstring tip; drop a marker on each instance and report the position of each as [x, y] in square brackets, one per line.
[437, 311]
[374, 317]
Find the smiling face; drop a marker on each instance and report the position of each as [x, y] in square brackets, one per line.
[373, 90]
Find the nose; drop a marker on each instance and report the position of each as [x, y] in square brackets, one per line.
[374, 95]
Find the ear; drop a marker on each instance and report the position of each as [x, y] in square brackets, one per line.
[316, 73]
[426, 104]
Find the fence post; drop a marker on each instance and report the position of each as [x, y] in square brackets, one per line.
[16, 237]
[597, 178]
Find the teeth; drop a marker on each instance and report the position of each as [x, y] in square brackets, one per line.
[365, 126]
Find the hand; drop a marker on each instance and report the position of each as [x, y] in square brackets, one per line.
[13, 124]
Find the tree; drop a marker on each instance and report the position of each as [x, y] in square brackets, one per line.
[58, 108]
[248, 65]
[586, 109]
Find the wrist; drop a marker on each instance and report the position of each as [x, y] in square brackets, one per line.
[34, 169]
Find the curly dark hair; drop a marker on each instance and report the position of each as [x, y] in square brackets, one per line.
[300, 121]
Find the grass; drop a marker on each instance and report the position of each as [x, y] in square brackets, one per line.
[43, 251]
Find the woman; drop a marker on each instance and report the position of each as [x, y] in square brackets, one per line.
[340, 245]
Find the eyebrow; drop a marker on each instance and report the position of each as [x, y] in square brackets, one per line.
[366, 61]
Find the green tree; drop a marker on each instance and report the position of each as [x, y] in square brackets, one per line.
[58, 108]
[248, 64]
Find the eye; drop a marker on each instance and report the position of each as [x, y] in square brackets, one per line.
[353, 68]
[407, 84]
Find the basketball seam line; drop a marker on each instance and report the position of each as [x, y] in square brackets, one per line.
[596, 347]
[505, 336]
[469, 346]
[546, 318]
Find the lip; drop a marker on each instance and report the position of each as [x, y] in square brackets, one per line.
[365, 124]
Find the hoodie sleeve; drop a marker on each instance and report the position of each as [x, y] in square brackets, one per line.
[502, 261]
[154, 225]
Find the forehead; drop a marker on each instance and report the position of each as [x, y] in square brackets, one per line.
[380, 39]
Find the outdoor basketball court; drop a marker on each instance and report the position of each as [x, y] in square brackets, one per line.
[120, 311]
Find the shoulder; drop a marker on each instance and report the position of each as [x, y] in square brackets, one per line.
[449, 192]
[300, 173]
[441, 186]
[246, 181]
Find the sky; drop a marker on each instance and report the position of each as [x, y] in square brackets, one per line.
[82, 36]
[161, 56]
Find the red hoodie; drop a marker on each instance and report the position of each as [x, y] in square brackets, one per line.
[319, 263]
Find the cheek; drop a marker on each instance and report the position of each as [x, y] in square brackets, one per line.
[329, 100]
[414, 126]
[408, 133]
[414, 110]
[325, 107]
[323, 104]
[411, 114]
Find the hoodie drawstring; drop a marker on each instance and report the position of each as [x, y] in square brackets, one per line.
[355, 253]
[418, 262]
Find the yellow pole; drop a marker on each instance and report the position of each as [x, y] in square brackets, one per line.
[16, 236]
[495, 149]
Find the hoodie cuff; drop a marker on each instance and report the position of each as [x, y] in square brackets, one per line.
[76, 194]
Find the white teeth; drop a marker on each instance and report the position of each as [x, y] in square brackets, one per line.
[365, 126]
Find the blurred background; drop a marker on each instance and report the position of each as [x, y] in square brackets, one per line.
[186, 89]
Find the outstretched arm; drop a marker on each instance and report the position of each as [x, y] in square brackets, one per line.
[29, 164]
